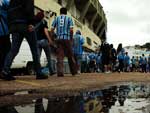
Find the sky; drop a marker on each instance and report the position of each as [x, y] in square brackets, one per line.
[128, 21]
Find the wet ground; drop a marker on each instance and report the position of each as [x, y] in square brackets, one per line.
[96, 93]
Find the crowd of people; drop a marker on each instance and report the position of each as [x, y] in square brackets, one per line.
[109, 59]
[17, 18]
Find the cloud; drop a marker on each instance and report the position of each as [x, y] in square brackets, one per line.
[128, 21]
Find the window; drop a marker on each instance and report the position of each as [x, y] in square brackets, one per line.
[89, 41]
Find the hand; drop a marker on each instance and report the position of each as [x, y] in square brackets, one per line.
[50, 43]
[30, 28]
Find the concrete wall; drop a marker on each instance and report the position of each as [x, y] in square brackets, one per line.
[52, 5]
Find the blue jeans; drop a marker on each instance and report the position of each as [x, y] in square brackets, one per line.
[17, 39]
[43, 44]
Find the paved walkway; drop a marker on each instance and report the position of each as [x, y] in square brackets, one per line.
[27, 88]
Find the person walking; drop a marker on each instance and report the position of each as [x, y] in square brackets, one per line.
[43, 39]
[133, 60]
[20, 21]
[92, 63]
[4, 33]
[84, 62]
[113, 57]
[78, 42]
[106, 53]
[144, 63]
[64, 31]
[120, 54]
[126, 62]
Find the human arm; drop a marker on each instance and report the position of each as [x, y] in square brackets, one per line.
[48, 36]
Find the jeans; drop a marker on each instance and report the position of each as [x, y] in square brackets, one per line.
[17, 39]
[4, 49]
[43, 44]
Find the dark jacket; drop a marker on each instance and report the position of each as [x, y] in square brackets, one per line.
[3, 18]
[20, 15]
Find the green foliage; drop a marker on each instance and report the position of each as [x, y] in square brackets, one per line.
[147, 45]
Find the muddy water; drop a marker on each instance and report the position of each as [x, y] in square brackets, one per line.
[131, 98]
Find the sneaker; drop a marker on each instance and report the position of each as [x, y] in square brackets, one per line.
[78, 72]
[41, 76]
[6, 76]
[107, 72]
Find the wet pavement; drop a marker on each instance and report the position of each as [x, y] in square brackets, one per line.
[96, 93]
[130, 98]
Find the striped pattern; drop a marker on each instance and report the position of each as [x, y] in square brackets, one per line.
[63, 24]
[78, 42]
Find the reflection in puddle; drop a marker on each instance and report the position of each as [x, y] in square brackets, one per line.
[132, 98]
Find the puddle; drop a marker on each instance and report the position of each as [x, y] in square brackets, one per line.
[131, 98]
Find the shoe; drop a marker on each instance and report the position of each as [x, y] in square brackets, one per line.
[41, 76]
[52, 73]
[78, 72]
[6, 76]
[74, 74]
[60, 75]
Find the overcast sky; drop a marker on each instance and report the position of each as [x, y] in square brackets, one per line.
[128, 21]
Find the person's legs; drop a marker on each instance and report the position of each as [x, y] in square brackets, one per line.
[47, 51]
[32, 40]
[79, 63]
[39, 48]
[121, 66]
[5, 46]
[149, 67]
[16, 43]
[69, 54]
[145, 68]
[60, 57]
